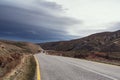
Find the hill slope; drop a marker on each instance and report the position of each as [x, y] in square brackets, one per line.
[12, 52]
[105, 45]
[90, 43]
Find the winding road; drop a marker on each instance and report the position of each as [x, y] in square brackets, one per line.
[64, 68]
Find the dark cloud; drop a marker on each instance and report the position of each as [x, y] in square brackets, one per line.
[29, 32]
[33, 22]
[51, 5]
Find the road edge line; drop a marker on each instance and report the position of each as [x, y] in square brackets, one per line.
[37, 69]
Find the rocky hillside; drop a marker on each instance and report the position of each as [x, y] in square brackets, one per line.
[12, 52]
[94, 42]
[106, 45]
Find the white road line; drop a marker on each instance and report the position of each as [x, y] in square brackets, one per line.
[107, 76]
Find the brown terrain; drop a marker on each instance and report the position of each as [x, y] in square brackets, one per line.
[12, 53]
[102, 47]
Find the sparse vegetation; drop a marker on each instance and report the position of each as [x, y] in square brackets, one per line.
[11, 54]
[99, 47]
[28, 70]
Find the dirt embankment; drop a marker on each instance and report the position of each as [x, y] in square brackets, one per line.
[9, 63]
[24, 71]
[15, 57]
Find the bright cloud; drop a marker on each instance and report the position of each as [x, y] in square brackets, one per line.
[95, 14]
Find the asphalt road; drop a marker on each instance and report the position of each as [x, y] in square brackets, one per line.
[63, 68]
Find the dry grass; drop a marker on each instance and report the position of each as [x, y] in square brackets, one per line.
[11, 54]
[29, 69]
[24, 71]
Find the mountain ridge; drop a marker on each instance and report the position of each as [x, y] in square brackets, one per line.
[98, 39]
[104, 45]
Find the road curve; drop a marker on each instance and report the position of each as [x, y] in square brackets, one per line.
[63, 68]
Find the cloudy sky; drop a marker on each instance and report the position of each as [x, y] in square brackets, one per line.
[54, 20]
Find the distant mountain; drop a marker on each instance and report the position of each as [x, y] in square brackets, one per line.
[106, 42]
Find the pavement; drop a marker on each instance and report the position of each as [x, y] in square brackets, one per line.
[64, 68]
